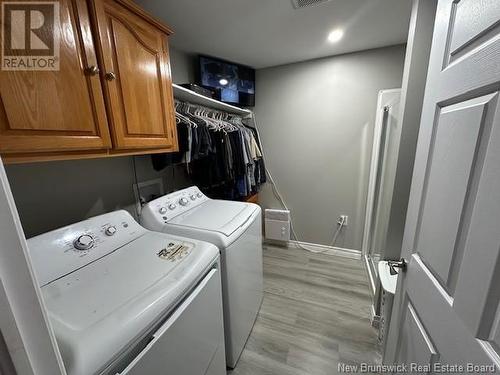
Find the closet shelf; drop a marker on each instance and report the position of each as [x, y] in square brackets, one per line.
[186, 95]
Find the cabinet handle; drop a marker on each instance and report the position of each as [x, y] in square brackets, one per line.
[110, 76]
[92, 70]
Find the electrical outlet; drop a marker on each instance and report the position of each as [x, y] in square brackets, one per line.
[344, 219]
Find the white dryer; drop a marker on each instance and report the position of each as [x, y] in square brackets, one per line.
[125, 300]
[235, 227]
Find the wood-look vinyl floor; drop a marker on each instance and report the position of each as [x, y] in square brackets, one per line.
[315, 315]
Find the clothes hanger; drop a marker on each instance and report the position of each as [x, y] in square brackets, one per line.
[180, 117]
[213, 119]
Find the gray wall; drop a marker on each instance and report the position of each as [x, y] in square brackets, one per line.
[183, 66]
[316, 122]
[54, 194]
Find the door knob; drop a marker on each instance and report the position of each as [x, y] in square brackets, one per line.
[110, 76]
[393, 264]
[92, 70]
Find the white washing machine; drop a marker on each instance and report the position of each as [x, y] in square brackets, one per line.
[125, 300]
[235, 227]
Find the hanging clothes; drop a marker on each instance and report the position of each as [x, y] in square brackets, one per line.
[260, 168]
[221, 154]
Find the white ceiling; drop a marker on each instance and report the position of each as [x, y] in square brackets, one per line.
[263, 33]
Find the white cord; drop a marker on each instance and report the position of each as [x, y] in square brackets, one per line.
[340, 222]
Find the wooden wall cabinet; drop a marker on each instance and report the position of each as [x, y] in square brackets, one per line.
[111, 96]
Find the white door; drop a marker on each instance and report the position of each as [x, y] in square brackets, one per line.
[447, 304]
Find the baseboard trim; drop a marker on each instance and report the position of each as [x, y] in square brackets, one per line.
[325, 249]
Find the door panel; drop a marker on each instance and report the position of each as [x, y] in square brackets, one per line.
[417, 346]
[56, 110]
[453, 152]
[434, 307]
[475, 303]
[140, 98]
[452, 236]
[472, 21]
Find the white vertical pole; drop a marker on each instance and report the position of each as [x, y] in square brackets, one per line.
[24, 323]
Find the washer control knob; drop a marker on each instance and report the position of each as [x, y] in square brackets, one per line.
[193, 197]
[110, 231]
[183, 201]
[163, 210]
[199, 195]
[172, 206]
[84, 242]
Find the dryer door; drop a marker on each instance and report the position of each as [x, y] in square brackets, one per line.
[191, 342]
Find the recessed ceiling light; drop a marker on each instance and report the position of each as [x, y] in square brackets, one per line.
[335, 36]
[223, 82]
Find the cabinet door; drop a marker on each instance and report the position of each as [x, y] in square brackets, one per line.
[137, 77]
[53, 111]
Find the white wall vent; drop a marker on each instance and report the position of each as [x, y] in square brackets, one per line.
[277, 225]
[306, 3]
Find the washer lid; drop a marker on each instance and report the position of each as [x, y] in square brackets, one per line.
[102, 308]
[220, 216]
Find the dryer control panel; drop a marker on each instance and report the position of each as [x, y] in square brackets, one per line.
[171, 205]
[57, 253]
